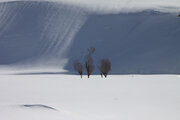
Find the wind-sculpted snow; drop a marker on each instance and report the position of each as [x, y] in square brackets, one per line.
[36, 31]
[56, 34]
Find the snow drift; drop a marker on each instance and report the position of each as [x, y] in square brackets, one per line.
[56, 34]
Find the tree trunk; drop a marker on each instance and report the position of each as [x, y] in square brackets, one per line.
[105, 75]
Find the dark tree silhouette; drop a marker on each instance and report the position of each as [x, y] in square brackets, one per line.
[78, 67]
[89, 68]
[105, 67]
[89, 61]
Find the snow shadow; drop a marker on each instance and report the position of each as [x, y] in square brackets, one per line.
[38, 106]
[44, 73]
[145, 42]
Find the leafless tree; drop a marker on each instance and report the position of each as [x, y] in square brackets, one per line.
[105, 67]
[91, 50]
[89, 68]
[89, 61]
[78, 67]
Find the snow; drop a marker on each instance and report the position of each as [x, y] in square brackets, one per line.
[116, 6]
[39, 32]
[127, 97]
[136, 43]
[40, 40]
[55, 34]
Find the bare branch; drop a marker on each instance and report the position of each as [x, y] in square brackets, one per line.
[89, 61]
[91, 50]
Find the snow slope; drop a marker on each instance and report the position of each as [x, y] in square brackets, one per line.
[128, 97]
[54, 34]
[116, 6]
[31, 30]
[141, 43]
[40, 38]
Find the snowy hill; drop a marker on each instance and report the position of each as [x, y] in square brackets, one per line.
[55, 34]
[144, 42]
[39, 41]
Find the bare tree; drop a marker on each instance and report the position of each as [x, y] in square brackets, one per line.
[89, 61]
[105, 67]
[89, 68]
[78, 67]
[91, 50]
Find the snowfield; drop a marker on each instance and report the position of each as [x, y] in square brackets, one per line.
[138, 36]
[67, 97]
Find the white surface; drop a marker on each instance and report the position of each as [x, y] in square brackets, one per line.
[127, 97]
[55, 35]
[114, 6]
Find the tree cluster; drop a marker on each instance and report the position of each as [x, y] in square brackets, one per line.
[104, 67]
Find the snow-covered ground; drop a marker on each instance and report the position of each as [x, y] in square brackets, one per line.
[138, 36]
[67, 97]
